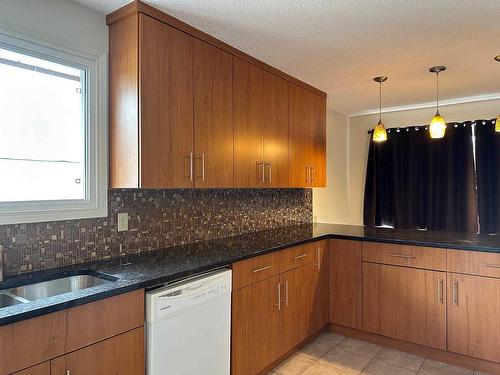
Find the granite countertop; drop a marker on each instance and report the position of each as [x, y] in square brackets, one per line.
[158, 267]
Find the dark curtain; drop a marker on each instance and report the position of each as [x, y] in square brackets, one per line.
[488, 176]
[415, 182]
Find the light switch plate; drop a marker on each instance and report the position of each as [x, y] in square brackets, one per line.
[122, 222]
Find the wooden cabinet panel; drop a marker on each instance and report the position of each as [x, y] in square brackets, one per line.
[248, 90]
[473, 316]
[255, 269]
[301, 136]
[255, 326]
[41, 369]
[319, 130]
[39, 339]
[297, 256]
[275, 131]
[346, 283]
[292, 314]
[123, 103]
[404, 255]
[213, 116]
[321, 287]
[166, 105]
[122, 354]
[405, 303]
[474, 263]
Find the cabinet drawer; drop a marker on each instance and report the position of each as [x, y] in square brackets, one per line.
[297, 256]
[255, 269]
[404, 255]
[474, 263]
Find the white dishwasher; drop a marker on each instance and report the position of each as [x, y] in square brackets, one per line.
[189, 326]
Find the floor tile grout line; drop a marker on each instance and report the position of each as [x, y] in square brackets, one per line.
[372, 358]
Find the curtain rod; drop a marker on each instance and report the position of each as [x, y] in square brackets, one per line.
[425, 127]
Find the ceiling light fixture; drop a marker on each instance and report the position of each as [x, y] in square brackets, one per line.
[379, 132]
[437, 128]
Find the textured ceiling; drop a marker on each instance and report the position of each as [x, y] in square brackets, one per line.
[340, 45]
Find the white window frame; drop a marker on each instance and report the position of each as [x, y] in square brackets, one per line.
[96, 134]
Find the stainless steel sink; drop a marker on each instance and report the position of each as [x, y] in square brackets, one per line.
[6, 300]
[55, 287]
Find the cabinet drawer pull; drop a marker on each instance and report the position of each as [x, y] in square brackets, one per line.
[190, 161]
[261, 175]
[300, 256]
[279, 296]
[404, 256]
[68, 372]
[268, 164]
[202, 159]
[455, 292]
[497, 266]
[261, 269]
[441, 291]
[286, 293]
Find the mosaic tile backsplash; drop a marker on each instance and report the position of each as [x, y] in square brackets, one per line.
[157, 219]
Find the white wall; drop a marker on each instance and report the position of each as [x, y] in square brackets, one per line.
[330, 203]
[57, 21]
[349, 183]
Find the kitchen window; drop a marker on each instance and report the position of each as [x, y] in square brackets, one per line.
[52, 133]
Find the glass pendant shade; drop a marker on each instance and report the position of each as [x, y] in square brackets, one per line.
[379, 132]
[497, 124]
[437, 128]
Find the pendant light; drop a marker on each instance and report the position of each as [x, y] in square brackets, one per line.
[437, 128]
[497, 125]
[379, 132]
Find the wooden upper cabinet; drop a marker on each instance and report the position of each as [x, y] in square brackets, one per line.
[473, 316]
[213, 116]
[275, 131]
[166, 106]
[248, 89]
[405, 303]
[319, 166]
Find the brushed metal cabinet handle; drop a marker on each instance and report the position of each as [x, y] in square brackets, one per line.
[68, 372]
[286, 293]
[190, 166]
[402, 256]
[300, 256]
[318, 257]
[202, 159]
[268, 164]
[279, 296]
[455, 292]
[261, 269]
[261, 175]
[440, 293]
[313, 170]
[307, 175]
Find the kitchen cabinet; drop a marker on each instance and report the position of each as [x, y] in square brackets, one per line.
[307, 137]
[41, 369]
[256, 326]
[405, 303]
[213, 116]
[117, 355]
[473, 311]
[321, 287]
[346, 289]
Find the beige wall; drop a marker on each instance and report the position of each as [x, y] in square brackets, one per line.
[330, 203]
[345, 189]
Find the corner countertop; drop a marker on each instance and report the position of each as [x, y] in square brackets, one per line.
[167, 265]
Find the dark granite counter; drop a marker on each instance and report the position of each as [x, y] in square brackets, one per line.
[154, 268]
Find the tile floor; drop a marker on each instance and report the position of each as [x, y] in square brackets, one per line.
[333, 354]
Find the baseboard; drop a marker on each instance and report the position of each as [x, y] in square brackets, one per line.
[436, 354]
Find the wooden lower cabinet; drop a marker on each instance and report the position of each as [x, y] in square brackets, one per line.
[41, 369]
[255, 326]
[474, 316]
[122, 354]
[405, 303]
[346, 283]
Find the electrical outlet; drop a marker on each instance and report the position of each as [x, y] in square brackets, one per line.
[122, 222]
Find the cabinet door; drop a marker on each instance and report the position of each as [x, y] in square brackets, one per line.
[320, 289]
[346, 283]
[166, 103]
[213, 116]
[275, 131]
[405, 303]
[301, 146]
[248, 89]
[290, 326]
[41, 369]
[319, 167]
[473, 316]
[255, 326]
[122, 354]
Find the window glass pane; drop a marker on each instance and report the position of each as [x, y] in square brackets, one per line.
[42, 129]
